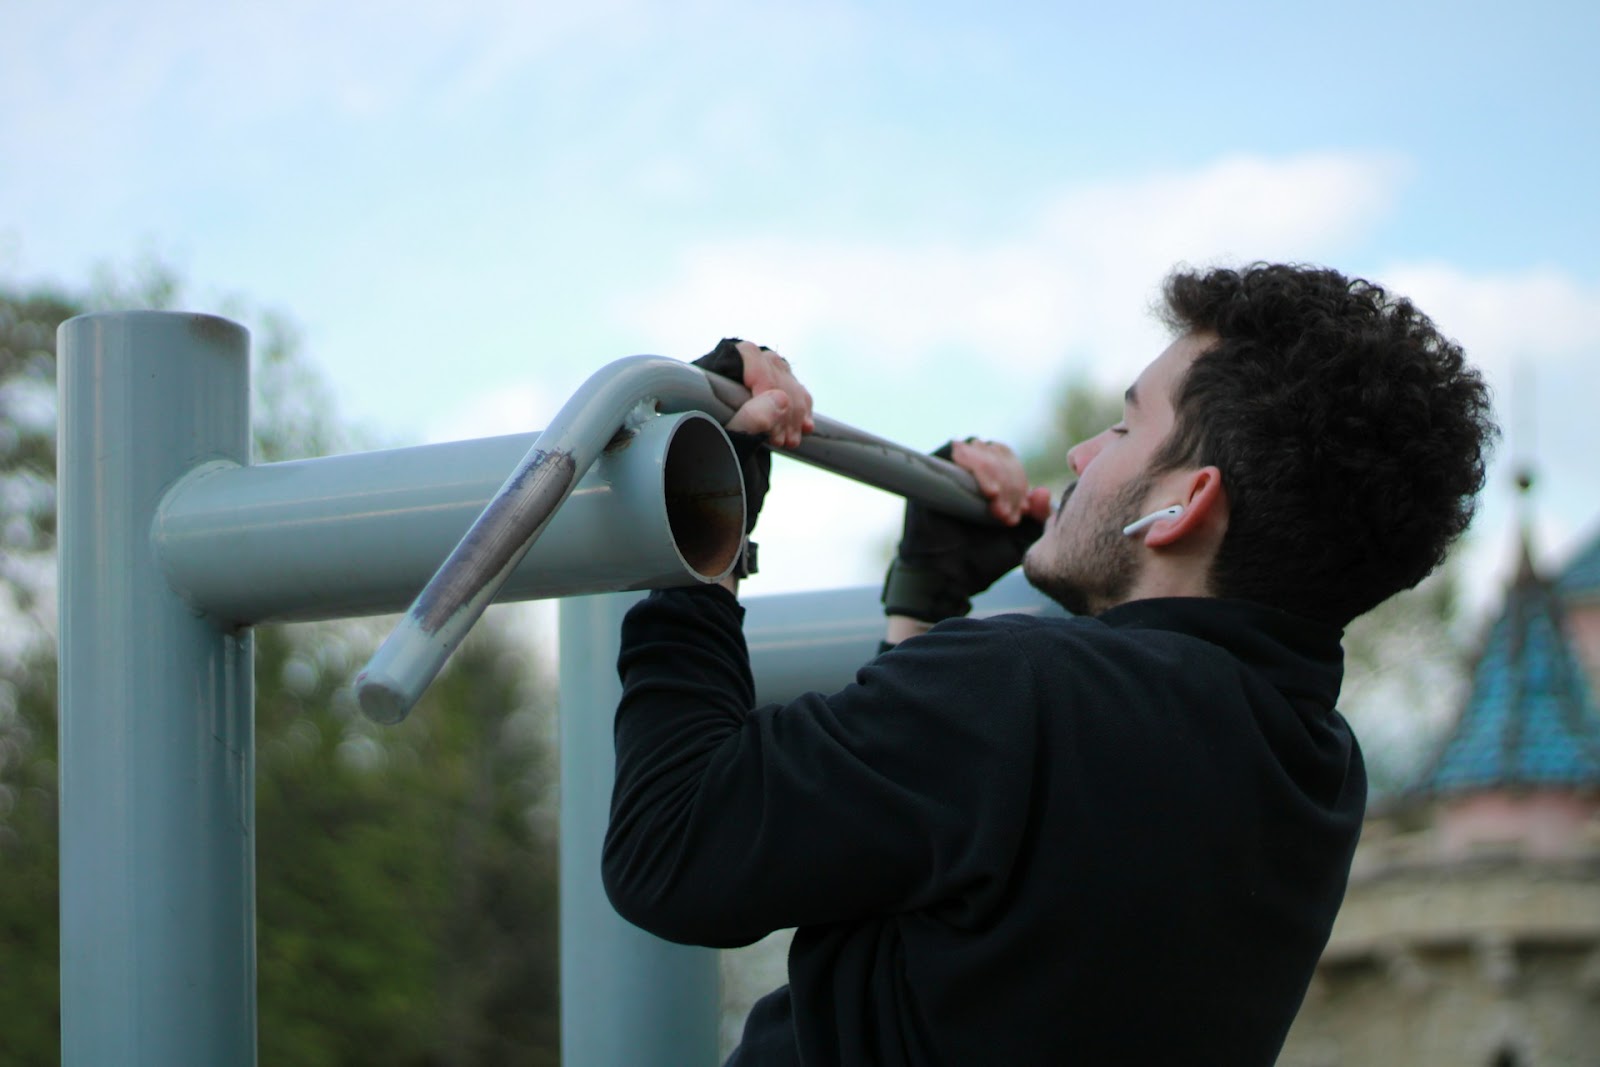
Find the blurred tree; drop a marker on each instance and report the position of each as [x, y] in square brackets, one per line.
[28, 880]
[406, 889]
[28, 472]
[29, 977]
[1406, 668]
[405, 876]
[1081, 411]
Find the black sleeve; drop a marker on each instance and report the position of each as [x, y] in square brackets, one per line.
[907, 789]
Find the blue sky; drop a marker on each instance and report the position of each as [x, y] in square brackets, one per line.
[939, 212]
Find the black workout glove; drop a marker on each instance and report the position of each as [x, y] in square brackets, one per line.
[943, 562]
[755, 458]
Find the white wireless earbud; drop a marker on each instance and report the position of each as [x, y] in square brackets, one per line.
[1141, 525]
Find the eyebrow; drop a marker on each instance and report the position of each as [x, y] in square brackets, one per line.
[1132, 395]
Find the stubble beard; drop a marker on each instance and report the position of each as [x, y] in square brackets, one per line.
[1100, 564]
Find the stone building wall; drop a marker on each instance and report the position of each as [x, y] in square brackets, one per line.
[1483, 957]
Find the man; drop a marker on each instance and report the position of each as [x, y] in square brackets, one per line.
[1116, 838]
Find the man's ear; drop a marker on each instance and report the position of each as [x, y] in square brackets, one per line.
[1205, 503]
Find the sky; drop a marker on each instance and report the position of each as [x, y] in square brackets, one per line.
[940, 212]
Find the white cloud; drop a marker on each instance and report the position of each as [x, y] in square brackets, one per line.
[1502, 319]
[1239, 208]
[1072, 280]
[98, 73]
[1535, 335]
[241, 61]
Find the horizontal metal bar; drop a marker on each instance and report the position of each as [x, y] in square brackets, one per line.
[361, 534]
[874, 461]
[800, 642]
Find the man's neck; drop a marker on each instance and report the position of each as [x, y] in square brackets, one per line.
[1168, 576]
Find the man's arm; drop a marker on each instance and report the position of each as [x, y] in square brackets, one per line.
[905, 790]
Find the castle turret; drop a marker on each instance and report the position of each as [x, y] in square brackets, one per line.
[1470, 933]
[1522, 764]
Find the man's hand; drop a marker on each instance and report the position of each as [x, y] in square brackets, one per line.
[1000, 478]
[943, 562]
[779, 407]
[776, 415]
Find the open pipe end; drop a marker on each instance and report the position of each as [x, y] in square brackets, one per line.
[381, 702]
[704, 491]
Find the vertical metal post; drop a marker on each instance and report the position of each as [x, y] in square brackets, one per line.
[157, 749]
[627, 997]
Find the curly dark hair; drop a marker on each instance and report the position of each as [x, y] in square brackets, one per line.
[1351, 435]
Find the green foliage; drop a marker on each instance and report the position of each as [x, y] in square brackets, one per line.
[302, 421]
[27, 467]
[1081, 411]
[1406, 674]
[29, 931]
[405, 876]
[406, 894]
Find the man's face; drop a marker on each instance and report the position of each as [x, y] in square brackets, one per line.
[1084, 561]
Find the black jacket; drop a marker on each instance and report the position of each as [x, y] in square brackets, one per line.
[1112, 840]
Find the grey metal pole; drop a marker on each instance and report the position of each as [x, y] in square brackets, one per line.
[627, 997]
[359, 534]
[156, 718]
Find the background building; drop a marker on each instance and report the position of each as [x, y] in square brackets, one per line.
[1470, 935]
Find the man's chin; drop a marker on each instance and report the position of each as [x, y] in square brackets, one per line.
[1063, 592]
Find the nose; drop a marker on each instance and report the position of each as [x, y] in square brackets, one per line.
[1082, 454]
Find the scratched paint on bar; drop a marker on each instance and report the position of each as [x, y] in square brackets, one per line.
[504, 528]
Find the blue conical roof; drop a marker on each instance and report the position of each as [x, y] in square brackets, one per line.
[1530, 720]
